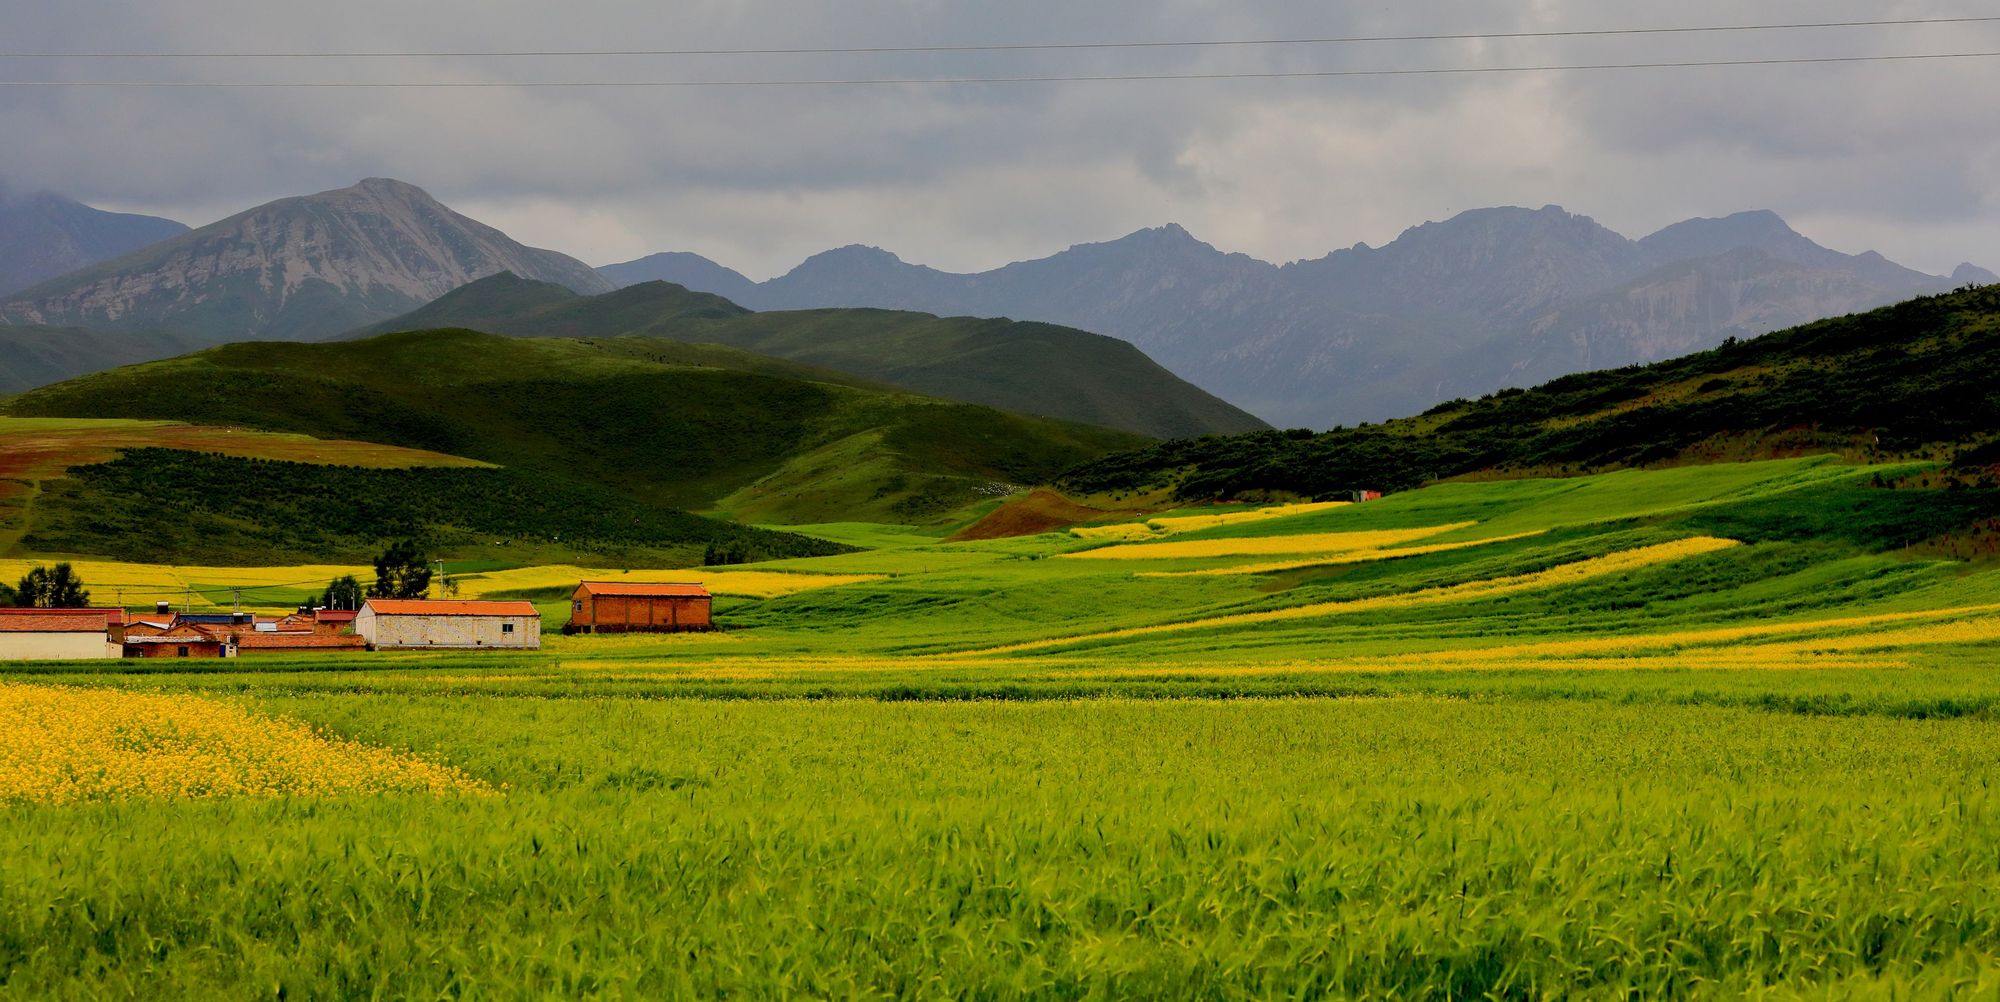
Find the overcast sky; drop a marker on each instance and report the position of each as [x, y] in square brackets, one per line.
[1900, 157]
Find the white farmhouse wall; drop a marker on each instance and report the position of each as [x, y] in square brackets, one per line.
[449, 631]
[56, 647]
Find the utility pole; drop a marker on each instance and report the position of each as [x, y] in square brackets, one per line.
[238, 592]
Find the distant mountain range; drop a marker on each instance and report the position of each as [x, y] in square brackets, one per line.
[43, 235]
[294, 269]
[1028, 368]
[1913, 381]
[1488, 299]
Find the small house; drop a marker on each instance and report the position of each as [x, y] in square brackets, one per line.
[177, 640]
[618, 607]
[387, 623]
[59, 634]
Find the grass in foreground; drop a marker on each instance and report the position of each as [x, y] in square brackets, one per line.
[1387, 848]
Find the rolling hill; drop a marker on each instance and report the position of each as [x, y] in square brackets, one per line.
[33, 355]
[167, 492]
[298, 268]
[43, 235]
[1027, 368]
[686, 426]
[1487, 299]
[1913, 380]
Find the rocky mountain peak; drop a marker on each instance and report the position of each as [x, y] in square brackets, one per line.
[302, 267]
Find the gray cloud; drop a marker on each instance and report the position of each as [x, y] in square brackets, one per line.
[1901, 157]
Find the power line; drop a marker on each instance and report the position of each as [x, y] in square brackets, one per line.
[1012, 47]
[891, 81]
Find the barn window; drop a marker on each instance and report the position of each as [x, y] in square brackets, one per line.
[506, 627]
[578, 605]
[184, 652]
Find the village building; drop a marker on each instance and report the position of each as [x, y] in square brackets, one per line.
[619, 607]
[148, 639]
[422, 623]
[262, 642]
[60, 634]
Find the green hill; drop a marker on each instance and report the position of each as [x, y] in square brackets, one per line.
[32, 355]
[686, 426]
[1027, 368]
[1913, 380]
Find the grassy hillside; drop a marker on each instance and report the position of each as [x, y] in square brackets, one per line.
[32, 355]
[1028, 368]
[157, 491]
[681, 425]
[1912, 380]
[1645, 734]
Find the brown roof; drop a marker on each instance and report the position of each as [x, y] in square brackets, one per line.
[297, 641]
[428, 607]
[640, 589]
[109, 615]
[184, 633]
[53, 621]
[334, 615]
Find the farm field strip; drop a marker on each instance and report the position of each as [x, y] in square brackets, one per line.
[1253, 546]
[1168, 525]
[61, 745]
[42, 448]
[749, 583]
[1583, 570]
[204, 587]
[1341, 557]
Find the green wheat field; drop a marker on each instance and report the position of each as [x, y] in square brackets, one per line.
[1717, 732]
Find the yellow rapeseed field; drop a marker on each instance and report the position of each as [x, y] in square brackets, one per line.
[60, 745]
[1172, 525]
[1341, 557]
[1254, 546]
[1582, 570]
[1124, 531]
[110, 581]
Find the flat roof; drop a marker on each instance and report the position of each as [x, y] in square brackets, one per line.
[644, 589]
[54, 621]
[442, 607]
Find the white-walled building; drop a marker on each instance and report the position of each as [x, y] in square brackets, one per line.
[421, 623]
[59, 634]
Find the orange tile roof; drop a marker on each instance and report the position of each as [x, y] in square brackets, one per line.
[433, 607]
[53, 621]
[334, 615]
[641, 589]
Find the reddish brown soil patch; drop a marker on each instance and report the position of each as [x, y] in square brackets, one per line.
[1041, 510]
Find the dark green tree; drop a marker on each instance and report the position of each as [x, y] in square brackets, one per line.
[7, 595]
[55, 587]
[341, 593]
[402, 571]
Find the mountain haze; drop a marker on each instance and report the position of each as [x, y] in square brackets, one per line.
[1028, 368]
[295, 269]
[43, 235]
[1909, 381]
[1487, 299]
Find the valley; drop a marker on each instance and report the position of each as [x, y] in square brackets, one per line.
[1639, 647]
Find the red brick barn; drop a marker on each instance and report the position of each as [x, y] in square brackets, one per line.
[614, 607]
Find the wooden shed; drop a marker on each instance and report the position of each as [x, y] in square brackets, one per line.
[425, 623]
[633, 607]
